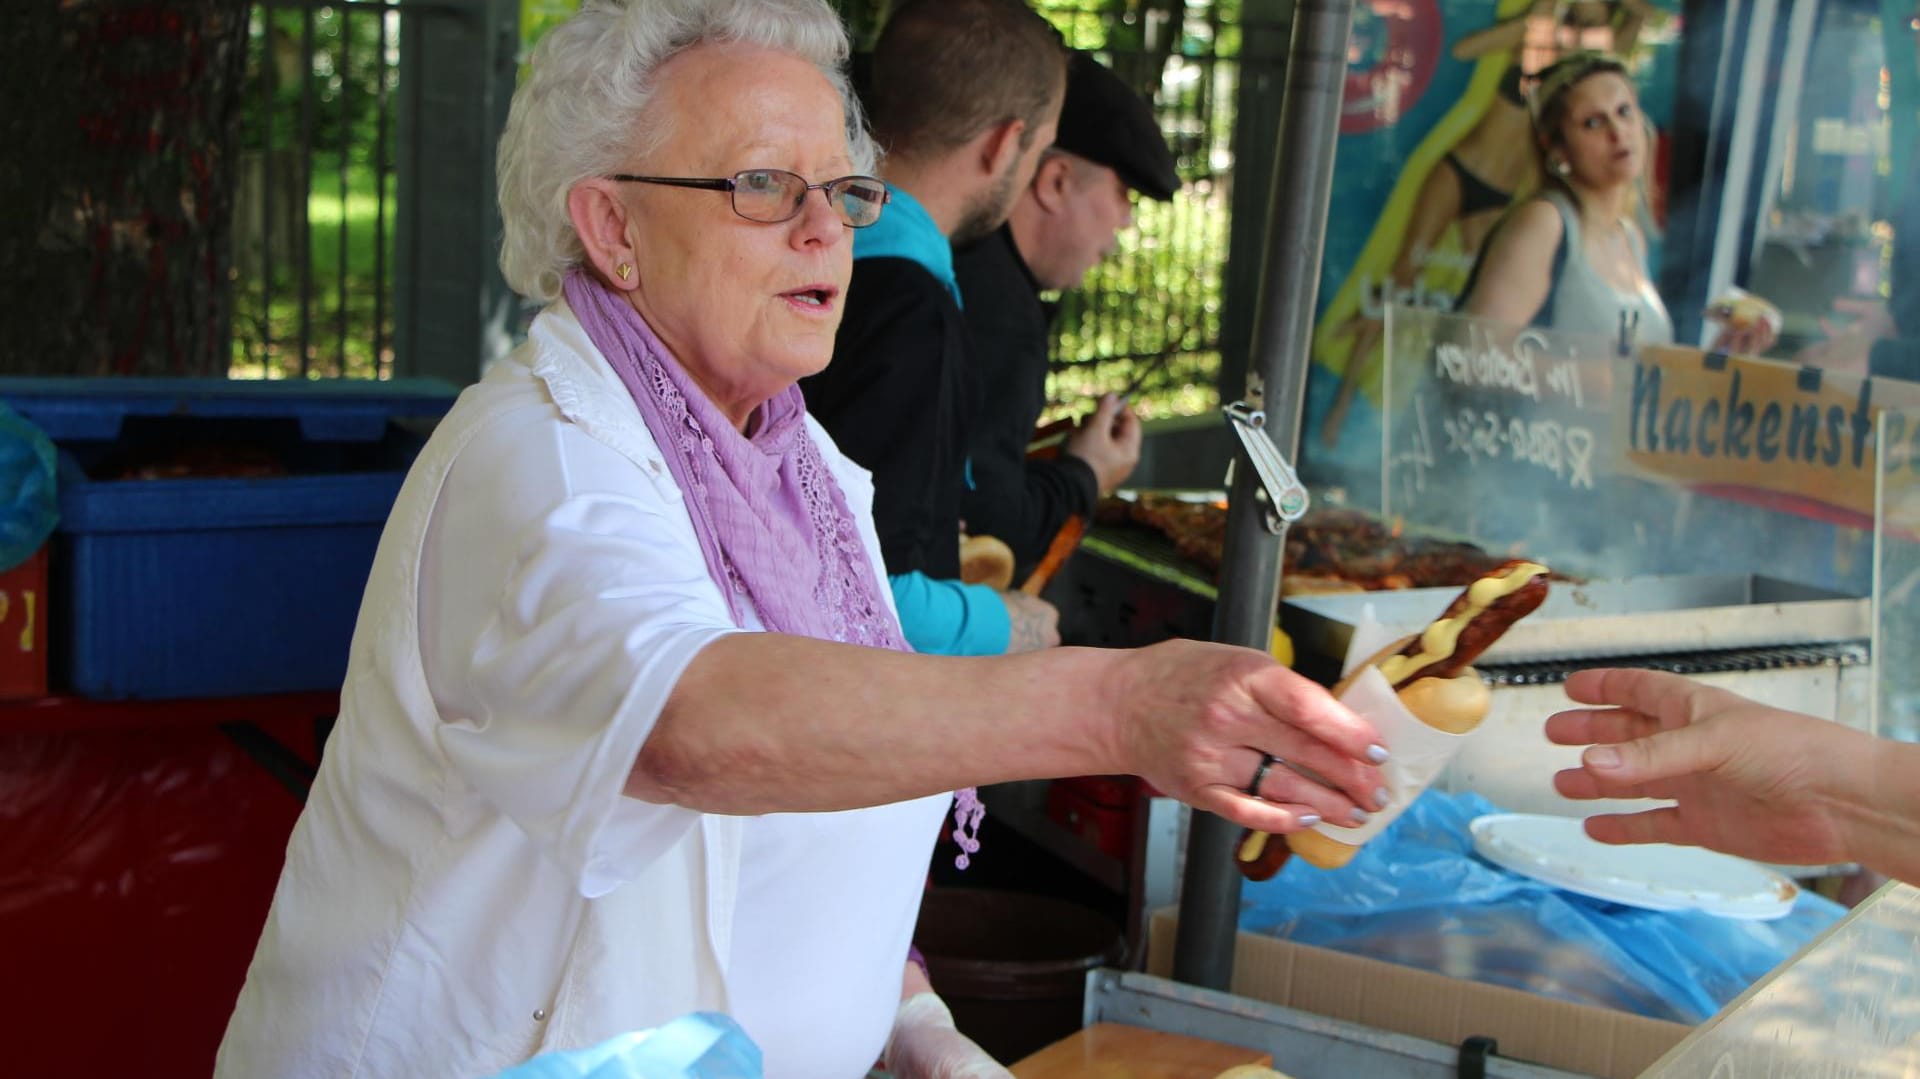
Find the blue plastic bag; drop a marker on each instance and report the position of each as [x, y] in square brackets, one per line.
[29, 505]
[1418, 895]
[703, 1045]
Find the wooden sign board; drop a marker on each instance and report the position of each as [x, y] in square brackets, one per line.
[1793, 439]
[1660, 460]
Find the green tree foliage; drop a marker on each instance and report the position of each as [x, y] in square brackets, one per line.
[321, 69]
[1146, 319]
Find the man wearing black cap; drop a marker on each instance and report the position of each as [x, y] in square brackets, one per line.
[1065, 222]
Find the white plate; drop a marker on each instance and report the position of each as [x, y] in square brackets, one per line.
[1657, 876]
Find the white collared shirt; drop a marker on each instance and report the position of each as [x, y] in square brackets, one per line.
[467, 886]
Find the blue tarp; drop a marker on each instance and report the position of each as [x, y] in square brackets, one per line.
[1418, 895]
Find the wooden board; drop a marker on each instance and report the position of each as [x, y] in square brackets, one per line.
[1112, 1051]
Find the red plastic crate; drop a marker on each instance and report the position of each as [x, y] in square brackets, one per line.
[23, 629]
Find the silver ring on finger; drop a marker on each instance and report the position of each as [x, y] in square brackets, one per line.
[1267, 761]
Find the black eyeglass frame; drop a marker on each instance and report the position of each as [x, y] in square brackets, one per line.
[731, 185]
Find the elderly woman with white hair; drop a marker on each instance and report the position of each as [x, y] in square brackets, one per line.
[629, 729]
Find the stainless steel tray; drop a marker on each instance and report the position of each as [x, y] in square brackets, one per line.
[1630, 616]
[1302, 1044]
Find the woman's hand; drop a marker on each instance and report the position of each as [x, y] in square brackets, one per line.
[1749, 325]
[1195, 719]
[1752, 339]
[766, 723]
[1746, 779]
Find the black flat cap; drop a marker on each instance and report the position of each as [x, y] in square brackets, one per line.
[1106, 122]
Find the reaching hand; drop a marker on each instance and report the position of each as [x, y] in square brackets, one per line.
[1196, 718]
[1036, 623]
[1745, 778]
[1109, 442]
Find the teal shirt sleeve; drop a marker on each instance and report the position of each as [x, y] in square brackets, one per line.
[947, 618]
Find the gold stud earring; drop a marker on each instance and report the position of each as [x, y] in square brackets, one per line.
[623, 271]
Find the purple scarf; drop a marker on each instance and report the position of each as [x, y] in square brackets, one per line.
[772, 523]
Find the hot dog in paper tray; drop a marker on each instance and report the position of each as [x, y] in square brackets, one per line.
[1425, 698]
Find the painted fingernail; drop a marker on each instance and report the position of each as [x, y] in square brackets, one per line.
[1361, 816]
[1382, 796]
[1308, 820]
[1602, 757]
[1378, 754]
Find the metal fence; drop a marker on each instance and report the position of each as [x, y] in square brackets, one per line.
[314, 211]
[1147, 320]
[323, 139]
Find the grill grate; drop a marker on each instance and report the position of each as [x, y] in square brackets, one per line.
[1781, 657]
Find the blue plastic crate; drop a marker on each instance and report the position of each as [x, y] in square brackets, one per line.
[216, 585]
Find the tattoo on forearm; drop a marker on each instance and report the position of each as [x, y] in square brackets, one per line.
[1029, 631]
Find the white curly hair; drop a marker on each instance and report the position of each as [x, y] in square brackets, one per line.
[588, 92]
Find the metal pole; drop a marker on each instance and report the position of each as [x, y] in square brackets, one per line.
[1283, 328]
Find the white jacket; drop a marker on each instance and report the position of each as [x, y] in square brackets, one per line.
[467, 886]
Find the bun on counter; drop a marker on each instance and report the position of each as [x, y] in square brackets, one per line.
[1455, 704]
[986, 560]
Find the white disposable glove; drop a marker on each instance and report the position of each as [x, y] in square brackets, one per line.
[925, 1045]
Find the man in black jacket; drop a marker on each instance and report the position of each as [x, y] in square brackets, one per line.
[965, 96]
[1065, 222]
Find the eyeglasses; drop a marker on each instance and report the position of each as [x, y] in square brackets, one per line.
[776, 195]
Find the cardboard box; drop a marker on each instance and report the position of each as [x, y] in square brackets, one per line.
[1386, 996]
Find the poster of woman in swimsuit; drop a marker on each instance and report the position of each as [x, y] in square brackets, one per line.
[1436, 143]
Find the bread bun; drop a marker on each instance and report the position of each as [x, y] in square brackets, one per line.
[1352, 676]
[1453, 705]
[1320, 849]
[986, 560]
